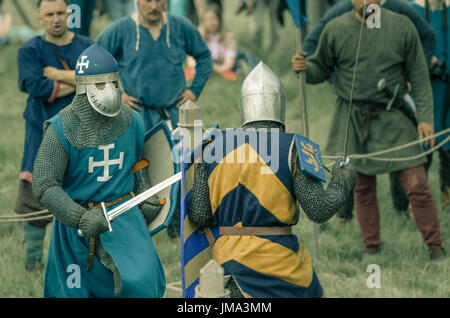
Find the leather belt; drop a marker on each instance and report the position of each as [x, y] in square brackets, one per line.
[247, 231]
[98, 205]
[254, 230]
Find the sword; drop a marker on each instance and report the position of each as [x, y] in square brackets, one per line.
[111, 215]
[404, 103]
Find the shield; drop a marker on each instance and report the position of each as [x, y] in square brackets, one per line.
[162, 165]
[196, 250]
[310, 159]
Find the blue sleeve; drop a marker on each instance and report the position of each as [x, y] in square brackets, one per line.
[197, 48]
[426, 32]
[31, 78]
[312, 40]
[109, 39]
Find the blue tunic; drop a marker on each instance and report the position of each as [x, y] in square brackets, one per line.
[155, 74]
[130, 244]
[33, 56]
[439, 87]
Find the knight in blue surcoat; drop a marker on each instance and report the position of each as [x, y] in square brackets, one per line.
[87, 157]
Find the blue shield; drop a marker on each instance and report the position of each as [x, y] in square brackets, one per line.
[310, 159]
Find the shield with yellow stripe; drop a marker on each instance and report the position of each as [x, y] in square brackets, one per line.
[196, 250]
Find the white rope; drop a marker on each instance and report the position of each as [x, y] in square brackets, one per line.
[373, 156]
[378, 153]
[24, 215]
[19, 220]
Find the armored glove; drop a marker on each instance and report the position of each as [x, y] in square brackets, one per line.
[151, 207]
[93, 223]
[345, 174]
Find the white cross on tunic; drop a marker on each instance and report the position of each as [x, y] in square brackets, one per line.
[81, 64]
[106, 163]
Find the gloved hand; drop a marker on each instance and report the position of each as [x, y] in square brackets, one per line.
[345, 174]
[151, 207]
[93, 223]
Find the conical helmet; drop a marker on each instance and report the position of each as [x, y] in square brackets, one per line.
[262, 97]
[97, 76]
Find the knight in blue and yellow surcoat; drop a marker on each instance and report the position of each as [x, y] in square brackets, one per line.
[248, 185]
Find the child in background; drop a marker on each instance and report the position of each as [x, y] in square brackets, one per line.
[227, 60]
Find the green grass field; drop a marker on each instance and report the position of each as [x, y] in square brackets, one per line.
[405, 268]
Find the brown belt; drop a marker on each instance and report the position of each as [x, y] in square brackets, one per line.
[245, 231]
[98, 205]
[253, 230]
[92, 206]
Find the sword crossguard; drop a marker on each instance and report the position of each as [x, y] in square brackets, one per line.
[106, 216]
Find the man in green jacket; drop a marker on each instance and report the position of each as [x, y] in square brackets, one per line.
[392, 52]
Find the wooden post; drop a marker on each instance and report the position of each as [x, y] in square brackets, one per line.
[189, 123]
[211, 282]
[300, 32]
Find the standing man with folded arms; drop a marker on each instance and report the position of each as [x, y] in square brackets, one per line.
[46, 73]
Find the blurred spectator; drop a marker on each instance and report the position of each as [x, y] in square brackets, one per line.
[9, 33]
[5, 26]
[428, 39]
[191, 9]
[227, 59]
[257, 9]
[178, 7]
[436, 13]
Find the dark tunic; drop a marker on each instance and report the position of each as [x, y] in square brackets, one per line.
[42, 103]
[392, 52]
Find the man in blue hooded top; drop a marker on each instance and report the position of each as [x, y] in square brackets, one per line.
[87, 157]
[150, 47]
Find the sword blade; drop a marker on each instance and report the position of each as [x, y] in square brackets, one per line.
[111, 215]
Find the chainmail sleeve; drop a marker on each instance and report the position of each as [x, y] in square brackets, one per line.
[49, 168]
[318, 203]
[199, 205]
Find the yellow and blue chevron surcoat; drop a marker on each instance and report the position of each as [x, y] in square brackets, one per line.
[257, 191]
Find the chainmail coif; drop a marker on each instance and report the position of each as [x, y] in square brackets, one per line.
[84, 127]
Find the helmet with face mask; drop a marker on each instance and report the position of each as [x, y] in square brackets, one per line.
[97, 76]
